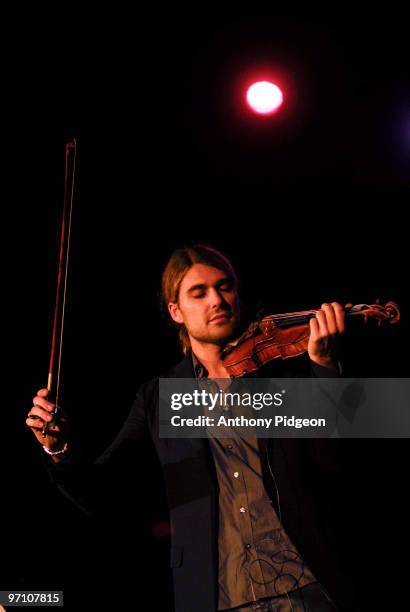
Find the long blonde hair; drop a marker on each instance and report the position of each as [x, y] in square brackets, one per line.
[179, 263]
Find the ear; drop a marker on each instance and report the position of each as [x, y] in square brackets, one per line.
[175, 312]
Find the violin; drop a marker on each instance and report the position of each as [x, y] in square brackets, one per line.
[281, 336]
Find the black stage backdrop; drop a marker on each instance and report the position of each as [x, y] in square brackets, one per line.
[310, 205]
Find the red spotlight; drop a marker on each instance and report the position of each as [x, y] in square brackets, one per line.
[264, 98]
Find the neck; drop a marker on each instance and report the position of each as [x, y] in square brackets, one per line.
[210, 356]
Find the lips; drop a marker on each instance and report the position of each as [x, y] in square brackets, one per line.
[220, 318]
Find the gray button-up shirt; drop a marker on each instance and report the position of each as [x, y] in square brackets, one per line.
[256, 556]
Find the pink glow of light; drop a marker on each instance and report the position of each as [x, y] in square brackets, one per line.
[264, 98]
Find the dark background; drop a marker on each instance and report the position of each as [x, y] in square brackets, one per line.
[310, 204]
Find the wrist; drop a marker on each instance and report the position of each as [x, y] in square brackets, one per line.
[325, 362]
[57, 453]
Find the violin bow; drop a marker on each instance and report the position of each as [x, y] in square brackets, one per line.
[54, 370]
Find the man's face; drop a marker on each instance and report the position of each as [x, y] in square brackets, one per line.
[207, 305]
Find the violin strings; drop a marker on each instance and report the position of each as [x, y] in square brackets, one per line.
[305, 315]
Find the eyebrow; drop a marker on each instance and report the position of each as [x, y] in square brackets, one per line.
[202, 286]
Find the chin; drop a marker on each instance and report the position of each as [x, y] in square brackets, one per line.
[225, 334]
[220, 336]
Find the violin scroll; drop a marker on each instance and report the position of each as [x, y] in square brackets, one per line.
[389, 313]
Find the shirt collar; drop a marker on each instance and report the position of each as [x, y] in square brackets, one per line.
[200, 370]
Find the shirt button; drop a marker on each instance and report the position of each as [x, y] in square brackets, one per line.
[242, 509]
[230, 447]
[248, 546]
[236, 474]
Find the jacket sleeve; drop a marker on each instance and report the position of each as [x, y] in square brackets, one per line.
[86, 483]
[325, 452]
[318, 371]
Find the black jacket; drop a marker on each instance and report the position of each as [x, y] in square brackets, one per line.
[306, 473]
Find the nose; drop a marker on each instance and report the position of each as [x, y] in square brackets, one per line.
[215, 299]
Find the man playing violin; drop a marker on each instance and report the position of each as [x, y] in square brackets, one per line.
[246, 533]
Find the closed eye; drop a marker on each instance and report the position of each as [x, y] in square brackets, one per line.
[225, 287]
